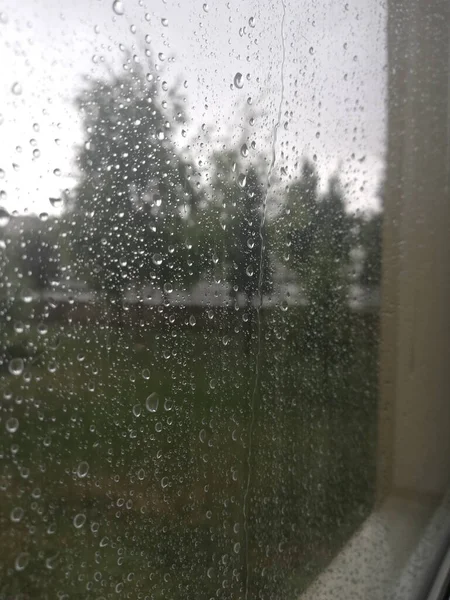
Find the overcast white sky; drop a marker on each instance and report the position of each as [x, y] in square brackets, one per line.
[334, 82]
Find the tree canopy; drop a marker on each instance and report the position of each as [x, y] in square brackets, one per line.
[135, 188]
[141, 215]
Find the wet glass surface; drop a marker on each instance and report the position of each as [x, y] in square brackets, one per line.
[190, 252]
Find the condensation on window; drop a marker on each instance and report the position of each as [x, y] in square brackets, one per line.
[191, 204]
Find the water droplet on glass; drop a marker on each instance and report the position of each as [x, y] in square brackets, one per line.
[5, 217]
[79, 520]
[242, 180]
[118, 7]
[164, 482]
[249, 270]
[16, 514]
[82, 469]
[12, 425]
[205, 7]
[57, 172]
[19, 327]
[146, 374]
[192, 321]
[43, 216]
[251, 21]
[16, 366]
[51, 529]
[152, 402]
[238, 80]
[42, 329]
[165, 22]
[26, 296]
[50, 562]
[16, 89]
[56, 202]
[21, 561]
[311, 50]
[244, 150]
[137, 409]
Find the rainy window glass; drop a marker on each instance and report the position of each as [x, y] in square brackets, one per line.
[190, 251]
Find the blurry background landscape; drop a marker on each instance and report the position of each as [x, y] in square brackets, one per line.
[189, 319]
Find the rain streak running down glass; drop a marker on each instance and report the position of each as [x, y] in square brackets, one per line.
[191, 203]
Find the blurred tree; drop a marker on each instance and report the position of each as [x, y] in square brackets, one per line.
[135, 194]
[30, 253]
[40, 260]
[238, 204]
[370, 240]
[250, 271]
[236, 231]
[318, 237]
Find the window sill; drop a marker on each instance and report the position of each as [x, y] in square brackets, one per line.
[377, 563]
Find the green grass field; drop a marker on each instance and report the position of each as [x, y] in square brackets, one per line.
[126, 475]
